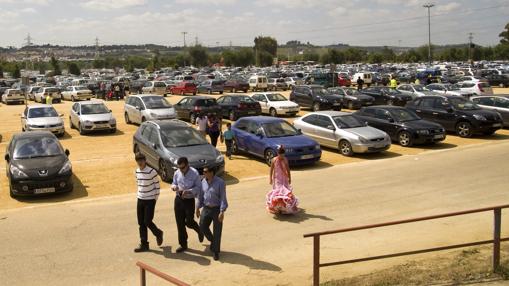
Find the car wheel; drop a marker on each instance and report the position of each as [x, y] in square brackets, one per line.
[350, 105]
[345, 148]
[70, 123]
[405, 139]
[316, 106]
[232, 115]
[194, 93]
[488, 133]
[269, 155]
[11, 193]
[164, 172]
[113, 131]
[192, 118]
[235, 147]
[273, 112]
[127, 120]
[80, 129]
[464, 129]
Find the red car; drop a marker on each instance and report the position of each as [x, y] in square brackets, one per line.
[183, 88]
[344, 80]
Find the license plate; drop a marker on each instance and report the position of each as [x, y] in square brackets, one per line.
[305, 157]
[497, 125]
[44, 190]
[440, 136]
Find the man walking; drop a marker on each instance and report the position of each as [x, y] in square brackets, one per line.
[148, 192]
[360, 83]
[212, 199]
[187, 185]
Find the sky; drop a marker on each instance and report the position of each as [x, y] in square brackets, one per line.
[219, 22]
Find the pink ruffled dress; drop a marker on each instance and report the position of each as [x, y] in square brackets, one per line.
[281, 199]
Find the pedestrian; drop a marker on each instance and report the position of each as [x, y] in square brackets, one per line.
[228, 140]
[186, 185]
[281, 199]
[201, 123]
[417, 81]
[148, 192]
[212, 200]
[393, 82]
[102, 88]
[213, 128]
[49, 99]
[360, 83]
[117, 91]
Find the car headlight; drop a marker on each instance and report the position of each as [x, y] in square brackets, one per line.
[219, 159]
[423, 132]
[87, 122]
[363, 140]
[17, 173]
[113, 121]
[479, 117]
[66, 168]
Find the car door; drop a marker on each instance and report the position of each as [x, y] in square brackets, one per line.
[225, 103]
[154, 147]
[308, 126]
[325, 131]
[241, 133]
[74, 116]
[24, 116]
[262, 99]
[386, 122]
[443, 114]
[424, 107]
[136, 111]
[255, 143]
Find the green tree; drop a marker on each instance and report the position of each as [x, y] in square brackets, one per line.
[74, 69]
[505, 35]
[55, 65]
[265, 59]
[310, 56]
[16, 73]
[376, 58]
[245, 57]
[265, 48]
[199, 56]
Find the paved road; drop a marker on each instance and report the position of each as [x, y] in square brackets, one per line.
[90, 242]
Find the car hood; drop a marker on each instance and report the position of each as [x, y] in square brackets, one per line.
[283, 104]
[490, 115]
[367, 132]
[331, 97]
[196, 154]
[162, 111]
[45, 121]
[32, 167]
[360, 97]
[97, 117]
[420, 124]
[292, 141]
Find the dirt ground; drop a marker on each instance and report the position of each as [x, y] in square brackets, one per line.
[103, 163]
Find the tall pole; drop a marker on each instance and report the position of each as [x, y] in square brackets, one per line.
[470, 38]
[184, 33]
[428, 6]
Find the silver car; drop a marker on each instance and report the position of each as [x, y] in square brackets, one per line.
[341, 130]
[414, 90]
[74, 93]
[89, 116]
[13, 95]
[499, 104]
[142, 107]
[40, 117]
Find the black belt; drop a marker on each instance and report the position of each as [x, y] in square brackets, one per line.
[212, 207]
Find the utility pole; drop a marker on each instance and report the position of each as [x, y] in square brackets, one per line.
[429, 6]
[470, 39]
[184, 33]
[96, 47]
[28, 41]
[195, 41]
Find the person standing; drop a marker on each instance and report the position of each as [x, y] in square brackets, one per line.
[213, 128]
[186, 185]
[360, 83]
[49, 99]
[201, 123]
[148, 192]
[281, 199]
[228, 140]
[212, 200]
[393, 82]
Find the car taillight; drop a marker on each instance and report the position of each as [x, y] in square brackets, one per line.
[480, 87]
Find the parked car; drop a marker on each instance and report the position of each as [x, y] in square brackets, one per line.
[154, 87]
[475, 88]
[234, 106]
[92, 116]
[142, 107]
[387, 96]
[448, 89]
[277, 84]
[31, 91]
[40, 96]
[499, 104]
[414, 90]
[316, 97]
[500, 80]
[42, 117]
[402, 125]
[189, 108]
[276, 104]
[262, 135]
[74, 93]
[210, 86]
[37, 164]
[367, 77]
[12, 95]
[293, 81]
[164, 142]
[258, 82]
[343, 131]
[457, 114]
[183, 88]
[235, 85]
[351, 98]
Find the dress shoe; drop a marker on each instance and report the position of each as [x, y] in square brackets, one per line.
[142, 248]
[181, 249]
[200, 236]
[160, 238]
[216, 256]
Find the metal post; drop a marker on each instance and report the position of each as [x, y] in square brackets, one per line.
[428, 6]
[496, 239]
[316, 260]
[143, 281]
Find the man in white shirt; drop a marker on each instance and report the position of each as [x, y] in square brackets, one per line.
[148, 192]
[201, 122]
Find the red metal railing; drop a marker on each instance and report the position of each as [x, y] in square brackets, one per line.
[143, 279]
[497, 212]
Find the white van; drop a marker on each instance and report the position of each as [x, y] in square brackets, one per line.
[258, 82]
[366, 76]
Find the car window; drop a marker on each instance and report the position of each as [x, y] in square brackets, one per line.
[428, 103]
[153, 136]
[156, 102]
[279, 129]
[369, 112]
[323, 121]
[485, 101]
[275, 97]
[75, 107]
[440, 103]
[27, 148]
[242, 125]
[382, 114]
[206, 102]
[145, 133]
[184, 101]
[403, 115]
[310, 119]
[347, 121]
[87, 109]
[501, 102]
[42, 112]
[181, 137]
[252, 127]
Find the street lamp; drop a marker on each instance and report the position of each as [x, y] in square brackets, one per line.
[428, 6]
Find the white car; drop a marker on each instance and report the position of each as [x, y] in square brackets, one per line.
[40, 96]
[448, 89]
[414, 90]
[293, 81]
[475, 87]
[74, 93]
[31, 91]
[91, 116]
[13, 95]
[154, 87]
[41, 117]
[276, 104]
[139, 108]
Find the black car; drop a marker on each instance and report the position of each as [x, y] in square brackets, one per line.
[402, 125]
[387, 96]
[352, 98]
[163, 142]
[501, 80]
[238, 105]
[235, 85]
[189, 108]
[316, 97]
[37, 164]
[457, 114]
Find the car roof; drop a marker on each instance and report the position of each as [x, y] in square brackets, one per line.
[39, 106]
[331, 113]
[199, 97]
[169, 123]
[90, 102]
[262, 119]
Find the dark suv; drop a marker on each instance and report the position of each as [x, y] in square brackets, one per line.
[457, 114]
[316, 97]
[189, 108]
[387, 96]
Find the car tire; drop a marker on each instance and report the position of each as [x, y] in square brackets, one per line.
[80, 129]
[345, 148]
[194, 93]
[192, 118]
[268, 156]
[464, 129]
[273, 112]
[405, 139]
[350, 105]
[143, 119]
[11, 193]
[232, 116]
[70, 123]
[126, 117]
[136, 149]
[489, 133]
[113, 131]
[164, 171]
[316, 107]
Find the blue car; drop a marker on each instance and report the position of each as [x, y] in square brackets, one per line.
[261, 136]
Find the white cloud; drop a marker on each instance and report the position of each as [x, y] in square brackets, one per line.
[28, 10]
[213, 2]
[448, 7]
[106, 5]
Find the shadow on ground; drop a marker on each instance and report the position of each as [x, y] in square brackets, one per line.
[301, 216]
[79, 191]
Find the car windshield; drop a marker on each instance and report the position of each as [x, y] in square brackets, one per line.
[206, 102]
[159, 84]
[403, 115]
[87, 109]
[275, 97]
[279, 129]
[347, 121]
[42, 112]
[242, 99]
[15, 91]
[419, 87]
[51, 90]
[155, 102]
[181, 137]
[320, 91]
[463, 104]
[28, 148]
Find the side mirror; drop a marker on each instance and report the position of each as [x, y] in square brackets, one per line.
[22, 116]
[111, 111]
[7, 157]
[138, 108]
[330, 127]
[67, 153]
[155, 146]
